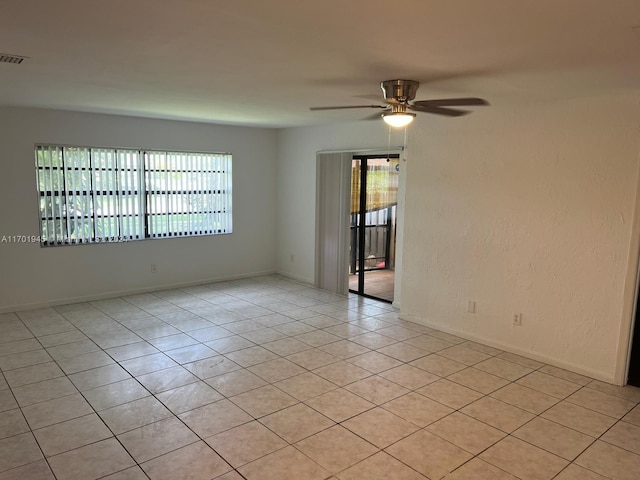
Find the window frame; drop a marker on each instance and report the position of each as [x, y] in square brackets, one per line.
[221, 167]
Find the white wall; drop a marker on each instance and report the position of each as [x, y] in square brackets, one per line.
[32, 276]
[527, 209]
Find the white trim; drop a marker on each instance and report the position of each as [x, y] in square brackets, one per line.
[366, 151]
[290, 276]
[135, 291]
[597, 375]
[630, 293]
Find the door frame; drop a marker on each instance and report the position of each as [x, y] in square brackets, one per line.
[631, 300]
[338, 263]
[363, 158]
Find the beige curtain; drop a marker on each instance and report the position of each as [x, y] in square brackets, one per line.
[333, 199]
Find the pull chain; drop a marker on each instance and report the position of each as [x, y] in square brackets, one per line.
[404, 149]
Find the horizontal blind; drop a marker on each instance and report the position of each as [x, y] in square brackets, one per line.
[188, 194]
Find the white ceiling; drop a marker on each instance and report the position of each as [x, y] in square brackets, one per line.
[264, 62]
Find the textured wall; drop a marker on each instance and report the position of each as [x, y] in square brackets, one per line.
[523, 209]
[529, 211]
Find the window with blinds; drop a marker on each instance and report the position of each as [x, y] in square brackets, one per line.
[95, 195]
[187, 193]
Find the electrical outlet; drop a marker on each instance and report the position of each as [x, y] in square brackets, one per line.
[471, 306]
[517, 320]
[154, 269]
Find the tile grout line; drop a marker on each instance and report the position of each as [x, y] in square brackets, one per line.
[312, 371]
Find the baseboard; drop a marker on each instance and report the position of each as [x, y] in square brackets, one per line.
[556, 362]
[290, 276]
[135, 291]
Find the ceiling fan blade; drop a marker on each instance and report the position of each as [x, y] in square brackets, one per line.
[447, 112]
[452, 102]
[348, 106]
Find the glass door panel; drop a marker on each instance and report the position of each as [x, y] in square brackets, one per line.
[374, 191]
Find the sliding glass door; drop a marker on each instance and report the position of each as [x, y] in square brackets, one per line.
[374, 192]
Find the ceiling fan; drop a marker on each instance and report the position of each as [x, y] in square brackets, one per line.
[398, 96]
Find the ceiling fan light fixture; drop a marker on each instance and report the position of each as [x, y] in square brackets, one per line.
[398, 119]
[398, 98]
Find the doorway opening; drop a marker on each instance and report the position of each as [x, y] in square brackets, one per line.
[374, 207]
[633, 376]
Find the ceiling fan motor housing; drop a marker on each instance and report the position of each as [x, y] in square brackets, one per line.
[399, 91]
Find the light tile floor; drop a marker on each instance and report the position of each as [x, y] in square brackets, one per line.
[268, 379]
[377, 283]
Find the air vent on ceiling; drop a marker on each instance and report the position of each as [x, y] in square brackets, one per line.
[7, 58]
